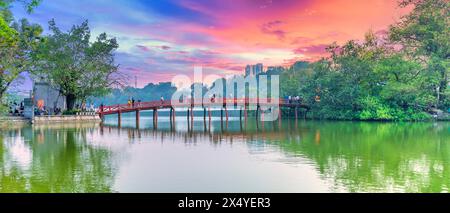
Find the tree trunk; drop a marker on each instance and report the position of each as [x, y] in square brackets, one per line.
[70, 101]
[441, 96]
[2, 92]
[3, 89]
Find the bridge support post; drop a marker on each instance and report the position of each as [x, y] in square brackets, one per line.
[245, 112]
[279, 117]
[279, 113]
[119, 119]
[240, 114]
[204, 114]
[221, 114]
[192, 114]
[155, 118]
[102, 117]
[226, 114]
[262, 119]
[257, 113]
[296, 113]
[172, 115]
[138, 115]
[209, 113]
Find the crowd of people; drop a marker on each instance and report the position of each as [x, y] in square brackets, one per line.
[294, 99]
[131, 102]
[41, 109]
[16, 109]
[46, 111]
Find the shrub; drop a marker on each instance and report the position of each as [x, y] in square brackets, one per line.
[71, 112]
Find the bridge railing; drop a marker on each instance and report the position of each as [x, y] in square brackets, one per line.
[193, 103]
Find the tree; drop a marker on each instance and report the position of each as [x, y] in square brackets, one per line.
[17, 42]
[29, 4]
[76, 66]
[424, 35]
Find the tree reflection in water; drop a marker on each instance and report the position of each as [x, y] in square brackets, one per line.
[62, 160]
[348, 156]
[368, 157]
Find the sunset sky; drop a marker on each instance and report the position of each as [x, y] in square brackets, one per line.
[159, 39]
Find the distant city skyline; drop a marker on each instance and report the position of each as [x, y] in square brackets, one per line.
[253, 70]
[160, 39]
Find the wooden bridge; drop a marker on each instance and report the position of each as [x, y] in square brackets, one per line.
[243, 103]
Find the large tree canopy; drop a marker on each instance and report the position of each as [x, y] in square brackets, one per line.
[29, 4]
[76, 65]
[17, 42]
[425, 36]
[400, 76]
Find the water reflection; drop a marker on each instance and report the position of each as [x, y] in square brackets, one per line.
[291, 156]
[54, 159]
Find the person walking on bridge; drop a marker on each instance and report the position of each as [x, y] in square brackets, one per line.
[162, 100]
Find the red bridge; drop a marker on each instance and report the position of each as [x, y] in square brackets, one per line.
[244, 104]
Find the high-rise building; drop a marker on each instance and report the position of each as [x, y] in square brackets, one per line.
[248, 70]
[253, 70]
[258, 68]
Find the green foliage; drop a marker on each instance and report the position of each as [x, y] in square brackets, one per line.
[3, 109]
[150, 92]
[424, 35]
[374, 109]
[28, 4]
[78, 67]
[8, 36]
[18, 40]
[71, 112]
[374, 80]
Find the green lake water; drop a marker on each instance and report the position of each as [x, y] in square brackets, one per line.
[287, 156]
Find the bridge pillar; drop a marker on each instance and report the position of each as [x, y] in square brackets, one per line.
[172, 115]
[279, 112]
[192, 114]
[279, 116]
[296, 113]
[262, 118]
[226, 114]
[138, 115]
[245, 112]
[209, 113]
[204, 114]
[187, 114]
[187, 119]
[257, 112]
[240, 114]
[221, 114]
[155, 118]
[119, 118]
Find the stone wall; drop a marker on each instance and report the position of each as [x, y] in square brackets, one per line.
[49, 95]
[66, 118]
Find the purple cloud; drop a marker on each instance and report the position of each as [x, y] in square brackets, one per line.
[273, 27]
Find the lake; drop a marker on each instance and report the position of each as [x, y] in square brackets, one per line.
[287, 156]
